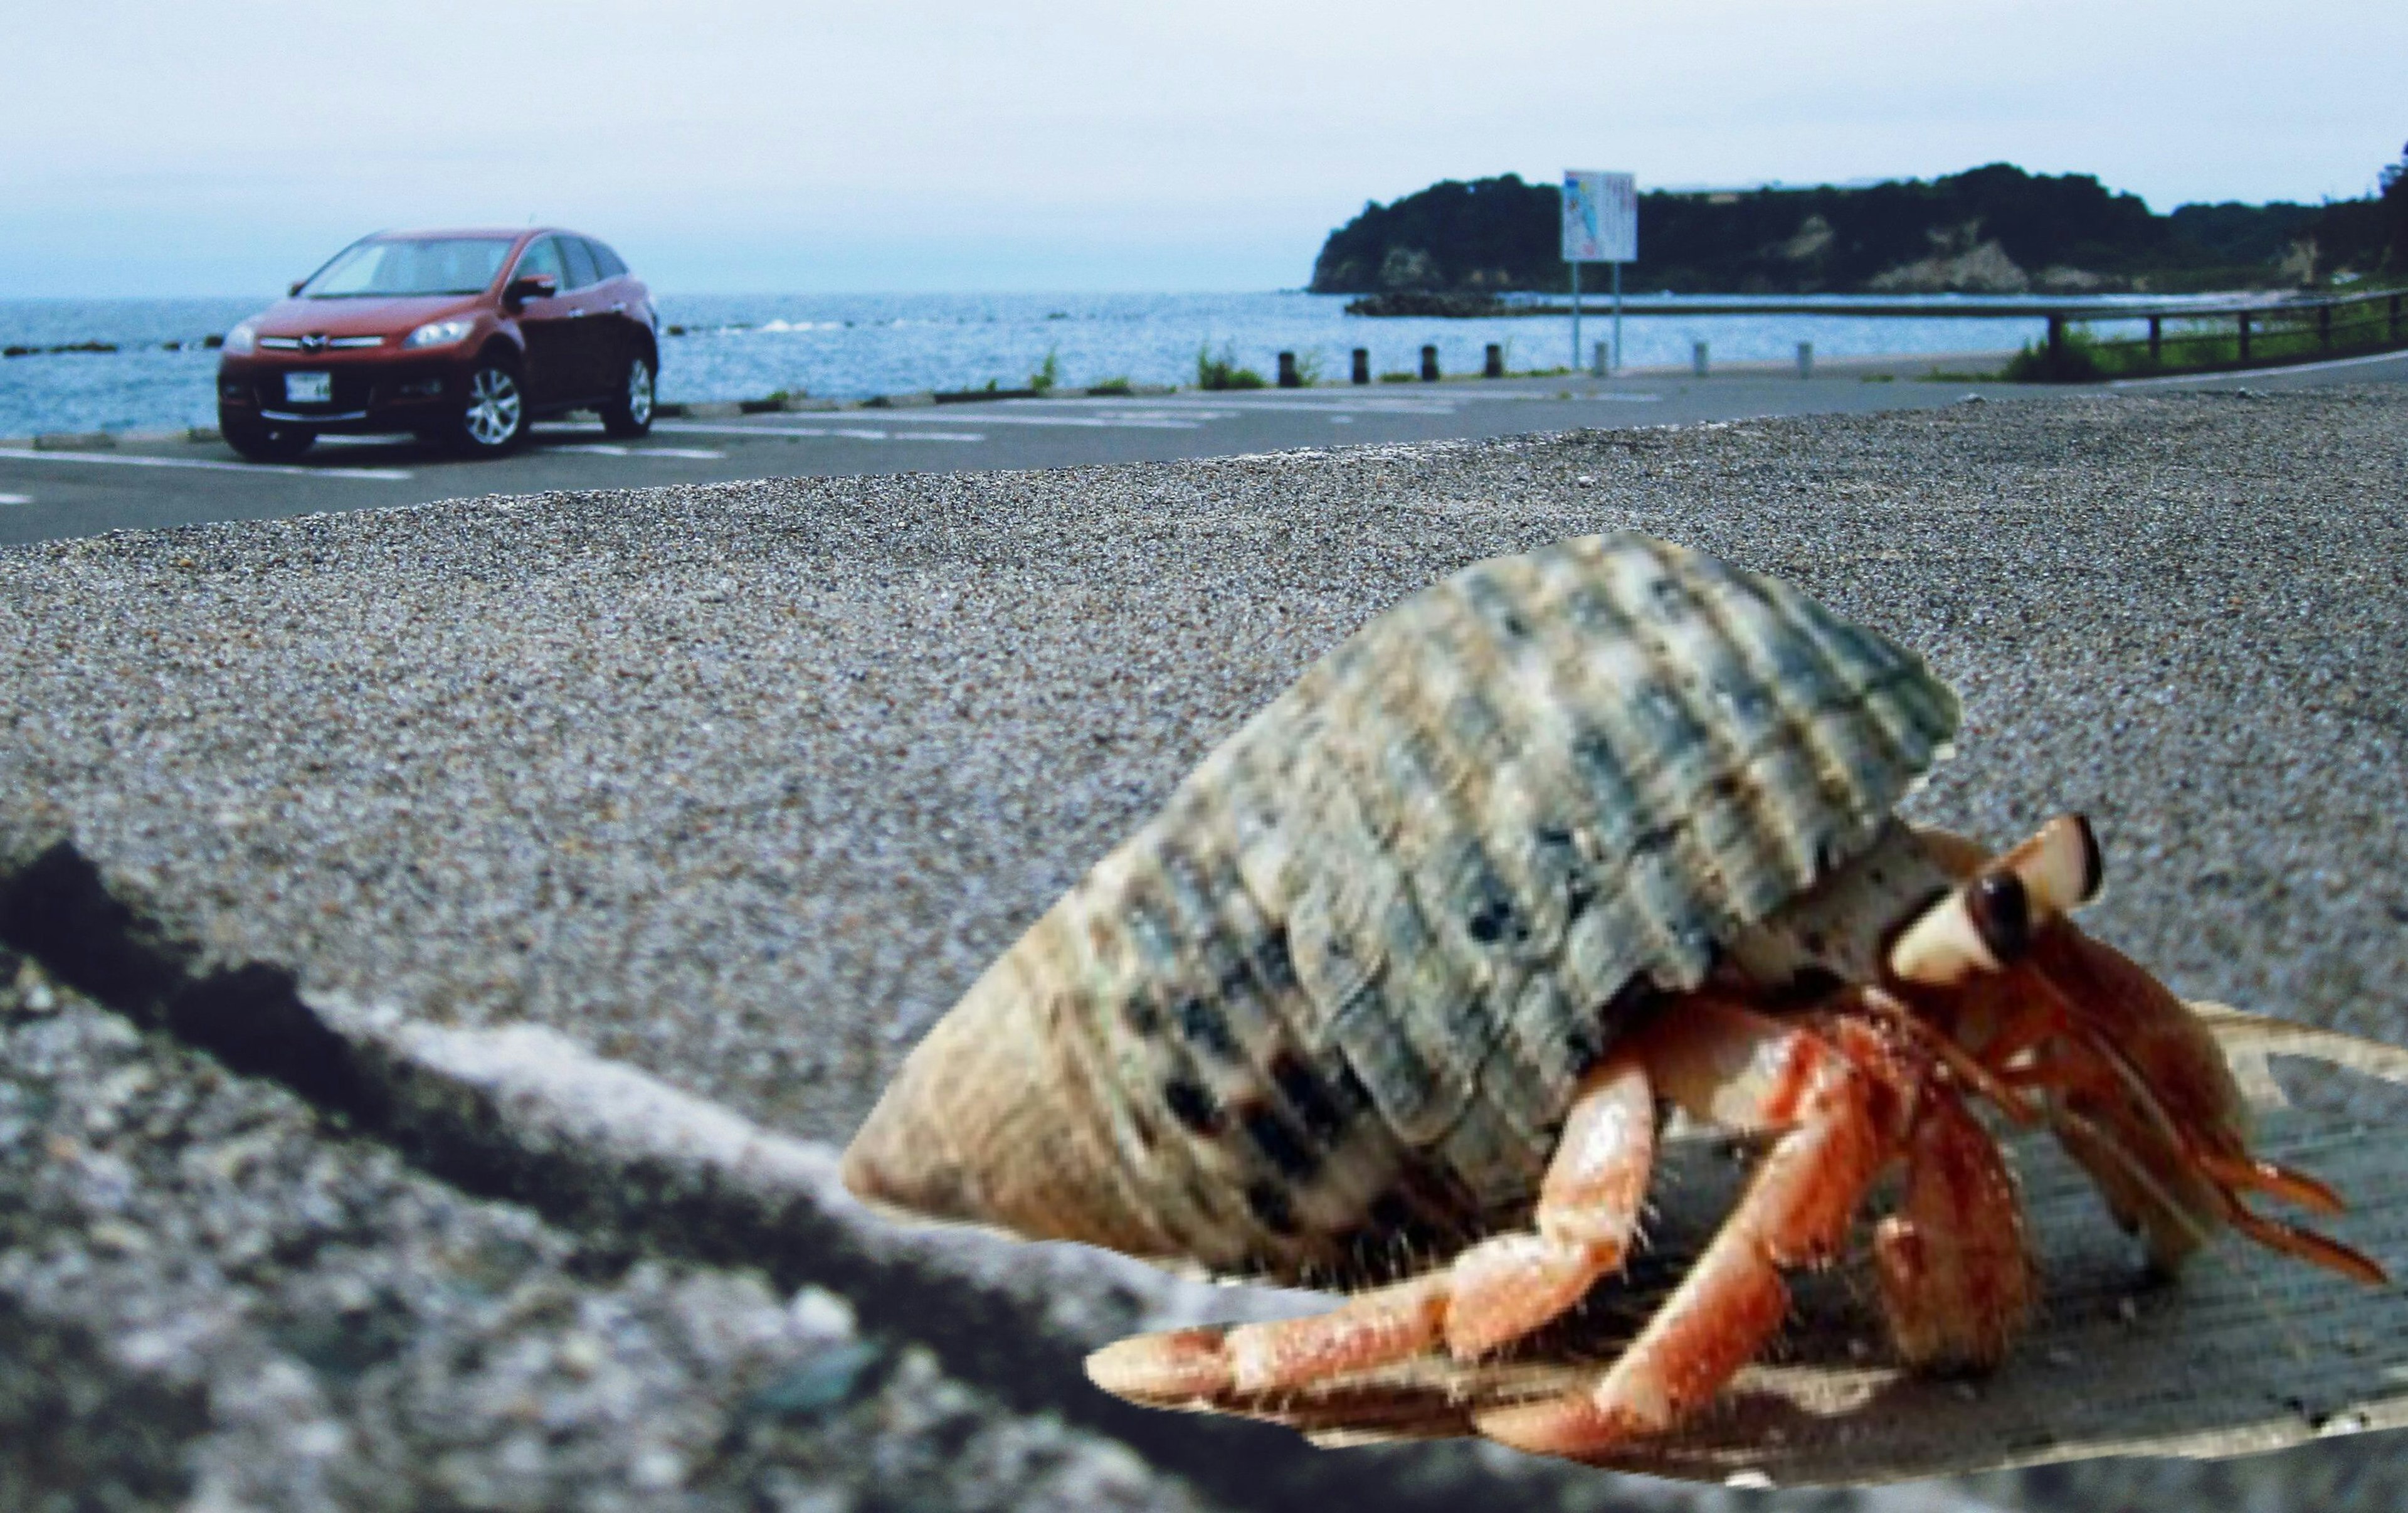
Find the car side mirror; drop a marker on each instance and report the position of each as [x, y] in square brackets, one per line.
[533, 287]
[295, 289]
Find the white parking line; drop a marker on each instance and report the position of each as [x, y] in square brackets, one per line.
[983, 417]
[16, 498]
[1352, 406]
[1432, 405]
[607, 449]
[858, 433]
[391, 475]
[1141, 421]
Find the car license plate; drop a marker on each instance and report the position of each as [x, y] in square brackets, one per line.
[308, 388]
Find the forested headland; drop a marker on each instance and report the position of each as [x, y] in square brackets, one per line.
[1995, 229]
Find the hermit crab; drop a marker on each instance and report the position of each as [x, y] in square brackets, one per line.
[1394, 993]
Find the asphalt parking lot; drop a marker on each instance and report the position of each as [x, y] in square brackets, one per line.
[151, 483]
[55, 490]
[49, 491]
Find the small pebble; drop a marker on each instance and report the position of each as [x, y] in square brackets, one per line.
[657, 1471]
[822, 1315]
[580, 1354]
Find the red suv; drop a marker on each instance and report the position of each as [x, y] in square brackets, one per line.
[461, 337]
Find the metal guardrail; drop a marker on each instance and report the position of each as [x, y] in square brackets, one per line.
[2260, 334]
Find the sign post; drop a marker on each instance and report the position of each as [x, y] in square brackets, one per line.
[1600, 225]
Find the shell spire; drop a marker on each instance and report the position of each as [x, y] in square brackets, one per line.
[982, 1126]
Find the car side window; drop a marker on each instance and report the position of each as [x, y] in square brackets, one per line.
[580, 262]
[543, 257]
[607, 261]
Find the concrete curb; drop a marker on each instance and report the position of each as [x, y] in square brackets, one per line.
[602, 1149]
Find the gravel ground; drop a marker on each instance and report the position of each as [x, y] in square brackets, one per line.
[743, 784]
[211, 1299]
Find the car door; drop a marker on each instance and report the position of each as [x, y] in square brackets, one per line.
[546, 325]
[618, 318]
[590, 351]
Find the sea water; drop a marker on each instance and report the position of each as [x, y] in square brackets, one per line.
[855, 346]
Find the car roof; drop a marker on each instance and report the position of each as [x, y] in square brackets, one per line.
[430, 233]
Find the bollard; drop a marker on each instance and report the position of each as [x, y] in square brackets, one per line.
[1805, 359]
[1697, 358]
[1494, 366]
[1289, 378]
[1362, 365]
[1429, 364]
[1599, 364]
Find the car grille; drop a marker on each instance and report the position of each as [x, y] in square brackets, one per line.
[352, 390]
[327, 344]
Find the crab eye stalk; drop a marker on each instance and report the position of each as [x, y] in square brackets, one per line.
[2060, 866]
[1981, 926]
[1990, 921]
[2000, 908]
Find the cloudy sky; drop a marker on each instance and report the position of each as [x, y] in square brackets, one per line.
[189, 146]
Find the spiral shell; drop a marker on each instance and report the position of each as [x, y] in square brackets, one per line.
[1321, 1016]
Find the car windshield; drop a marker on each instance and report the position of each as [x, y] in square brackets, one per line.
[429, 265]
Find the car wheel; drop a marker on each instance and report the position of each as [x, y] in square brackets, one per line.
[493, 418]
[262, 443]
[630, 412]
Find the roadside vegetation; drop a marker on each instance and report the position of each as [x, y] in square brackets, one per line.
[2275, 337]
[1222, 372]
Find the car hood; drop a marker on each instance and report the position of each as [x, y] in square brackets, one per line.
[372, 315]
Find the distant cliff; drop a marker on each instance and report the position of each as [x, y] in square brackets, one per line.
[1995, 229]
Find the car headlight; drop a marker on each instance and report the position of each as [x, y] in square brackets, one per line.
[243, 339]
[441, 333]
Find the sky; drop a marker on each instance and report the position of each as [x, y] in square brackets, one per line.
[168, 147]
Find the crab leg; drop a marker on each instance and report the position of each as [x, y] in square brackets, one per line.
[1493, 1293]
[1955, 1279]
[1829, 1099]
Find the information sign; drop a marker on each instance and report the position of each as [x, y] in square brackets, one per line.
[1600, 225]
[1601, 216]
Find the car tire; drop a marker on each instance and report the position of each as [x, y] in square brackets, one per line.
[492, 416]
[629, 414]
[262, 442]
